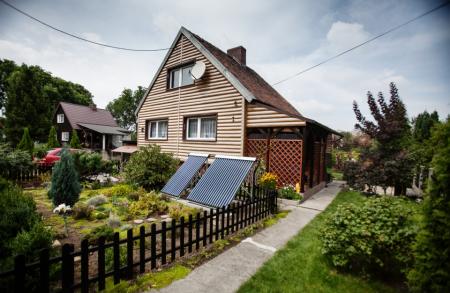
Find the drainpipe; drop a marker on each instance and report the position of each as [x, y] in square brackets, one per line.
[103, 142]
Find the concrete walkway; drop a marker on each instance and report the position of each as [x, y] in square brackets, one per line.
[229, 270]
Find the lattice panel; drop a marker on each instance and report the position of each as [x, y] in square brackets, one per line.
[255, 148]
[286, 160]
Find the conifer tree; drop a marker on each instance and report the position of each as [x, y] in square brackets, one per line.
[65, 187]
[75, 141]
[52, 138]
[26, 143]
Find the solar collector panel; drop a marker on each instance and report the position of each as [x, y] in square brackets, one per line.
[184, 175]
[221, 181]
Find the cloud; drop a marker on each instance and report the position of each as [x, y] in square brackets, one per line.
[343, 35]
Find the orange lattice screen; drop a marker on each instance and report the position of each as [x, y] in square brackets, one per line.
[286, 160]
[256, 148]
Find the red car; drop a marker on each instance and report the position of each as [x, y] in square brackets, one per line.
[53, 156]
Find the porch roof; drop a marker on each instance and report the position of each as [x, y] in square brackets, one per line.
[104, 129]
[128, 149]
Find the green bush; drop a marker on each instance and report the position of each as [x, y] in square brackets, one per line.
[431, 271]
[17, 213]
[65, 186]
[88, 164]
[13, 161]
[374, 238]
[181, 211]
[119, 190]
[30, 242]
[52, 139]
[97, 200]
[150, 168]
[147, 205]
[26, 143]
[75, 141]
[98, 232]
[40, 151]
[82, 210]
[288, 192]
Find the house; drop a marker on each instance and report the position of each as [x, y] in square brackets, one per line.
[96, 128]
[230, 110]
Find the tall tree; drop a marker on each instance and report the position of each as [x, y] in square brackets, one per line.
[29, 96]
[26, 143]
[422, 125]
[431, 272]
[52, 138]
[123, 108]
[388, 160]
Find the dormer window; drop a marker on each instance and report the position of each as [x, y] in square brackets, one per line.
[180, 76]
[60, 118]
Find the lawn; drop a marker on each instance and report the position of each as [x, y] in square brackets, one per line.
[301, 267]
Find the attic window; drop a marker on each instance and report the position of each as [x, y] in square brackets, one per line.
[180, 76]
[60, 118]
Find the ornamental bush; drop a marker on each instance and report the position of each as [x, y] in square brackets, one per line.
[52, 138]
[65, 187]
[75, 141]
[288, 192]
[90, 164]
[147, 205]
[150, 168]
[268, 180]
[373, 238]
[26, 143]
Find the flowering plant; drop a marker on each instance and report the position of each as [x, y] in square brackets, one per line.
[268, 180]
[63, 210]
[289, 192]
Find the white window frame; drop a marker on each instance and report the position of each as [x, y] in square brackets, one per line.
[199, 123]
[60, 118]
[64, 134]
[149, 128]
[180, 79]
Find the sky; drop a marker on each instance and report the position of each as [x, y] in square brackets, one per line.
[281, 38]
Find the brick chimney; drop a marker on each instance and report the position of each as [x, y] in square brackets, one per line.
[239, 54]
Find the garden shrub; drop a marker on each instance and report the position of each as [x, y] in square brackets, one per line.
[74, 140]
[150, 168]
[65, 186]
[113, 220]
[179, 210]
[52, 141]
[99, 215]
[88, 164]
[371, 238]
[119, 190]
[13, 161]
[109, 257]
[82, 210]
[97, 200]
[289, 192]
[268, 180]
[40, 151]
[147, 205]
[98, 232]
[26, 143]
[30, 242]
[17, 213]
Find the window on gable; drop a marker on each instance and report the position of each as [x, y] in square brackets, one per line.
[157, 129]
[180, 76]
[60, 118]
[201, 128]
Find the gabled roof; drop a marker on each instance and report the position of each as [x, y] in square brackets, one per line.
[104, 129]
[249, 84]
[77, 114]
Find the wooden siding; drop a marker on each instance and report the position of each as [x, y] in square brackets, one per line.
[212, 94]
[261, 116]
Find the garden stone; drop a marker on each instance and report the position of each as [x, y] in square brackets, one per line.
[77, 258]
[165, 216]
[149, 220]
[167, 219]
[137, 222]
[56, 243]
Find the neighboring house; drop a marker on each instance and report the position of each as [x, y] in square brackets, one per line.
[230, 110]
[96, 127]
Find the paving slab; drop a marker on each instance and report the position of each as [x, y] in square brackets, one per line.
[229, 270]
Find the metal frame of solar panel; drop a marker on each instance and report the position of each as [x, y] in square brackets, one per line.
[218, 186]
[185, 174]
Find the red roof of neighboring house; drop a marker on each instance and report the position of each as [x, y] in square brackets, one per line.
[85, 114]
[263, 92]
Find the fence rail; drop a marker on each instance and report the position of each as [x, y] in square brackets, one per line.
[149, 249]
[28, 174]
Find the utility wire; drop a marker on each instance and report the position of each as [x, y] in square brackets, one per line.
[78, 37]
[362, 44]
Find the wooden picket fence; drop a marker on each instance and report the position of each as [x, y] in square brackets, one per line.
[26, 175]
[150, 249]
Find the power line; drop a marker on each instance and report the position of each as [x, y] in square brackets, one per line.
[362, 44]
[78, 37]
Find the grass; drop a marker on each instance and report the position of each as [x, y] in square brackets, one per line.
[335, 174]
[301, 267]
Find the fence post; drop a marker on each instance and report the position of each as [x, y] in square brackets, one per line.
[217, 224]
[130, 253]
[116, 258]
[67, 268]
[228, 220]
[19, 274]
[163, 242]
[173, 239]
[197, 231]
[205, 223]
[44, 270]
[222, 223]
[142, 249]
[101, 263]
[85, 266]
[153, 246]
[190, 234]
[181, 236]
[211, 214]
